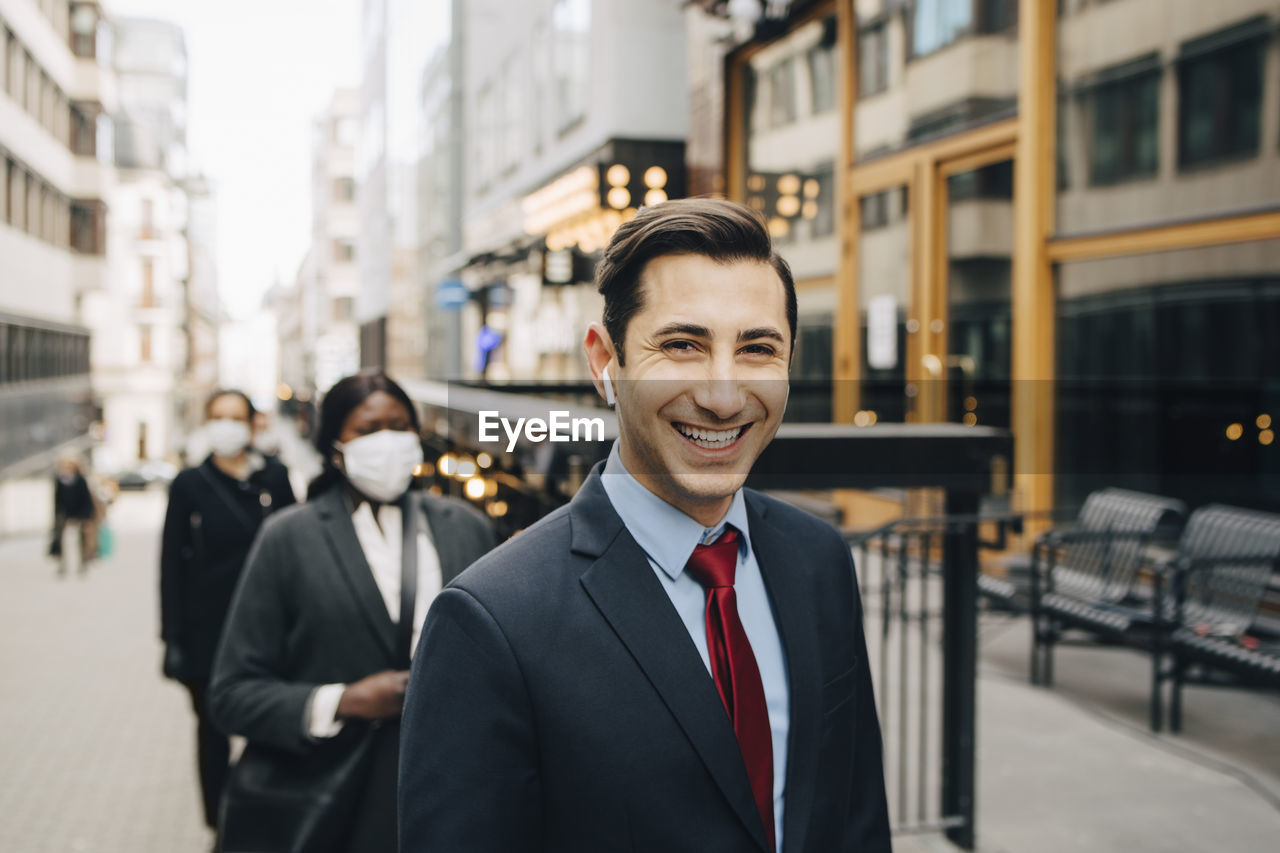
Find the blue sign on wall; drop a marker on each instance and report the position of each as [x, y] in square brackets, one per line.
[452, 293]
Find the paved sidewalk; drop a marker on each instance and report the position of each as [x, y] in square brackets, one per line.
[97, 749]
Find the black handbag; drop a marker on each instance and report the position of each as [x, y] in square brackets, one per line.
[283, 802]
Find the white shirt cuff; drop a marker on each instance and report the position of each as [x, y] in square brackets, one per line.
[322, 711]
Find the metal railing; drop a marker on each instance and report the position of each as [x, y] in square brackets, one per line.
[917, 581]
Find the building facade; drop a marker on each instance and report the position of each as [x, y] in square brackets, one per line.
[141, 349]
[567, 139]
[56, 97]
[329, 281]
[1052, 217]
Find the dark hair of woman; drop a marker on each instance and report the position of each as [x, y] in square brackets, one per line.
[229, 392]
[345, 395]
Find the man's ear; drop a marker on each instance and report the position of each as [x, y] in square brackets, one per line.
[600, 355]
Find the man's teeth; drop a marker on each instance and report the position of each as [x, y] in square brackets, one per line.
[709, 438]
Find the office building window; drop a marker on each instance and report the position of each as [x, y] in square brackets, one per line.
[148, 299]
[88, 219]
[822, 66]
[1220, 100]
[344, 189]
[344, 309]
[571, 58]
[937, 23]
[782, 93]
[344, 250]
[1124, 116]
[873, 59]
[144, 344]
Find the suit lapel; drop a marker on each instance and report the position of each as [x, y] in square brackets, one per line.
[340, 534]
[775, 553]
[630, 597]
[445, 537]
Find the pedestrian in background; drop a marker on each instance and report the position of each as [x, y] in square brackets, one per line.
[74, 506]
[215, 510]
[314, 662]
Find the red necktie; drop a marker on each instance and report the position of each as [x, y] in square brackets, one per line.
[733, 665]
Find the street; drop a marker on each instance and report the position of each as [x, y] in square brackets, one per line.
[97, 749]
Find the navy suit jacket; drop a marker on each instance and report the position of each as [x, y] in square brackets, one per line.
[558, 704]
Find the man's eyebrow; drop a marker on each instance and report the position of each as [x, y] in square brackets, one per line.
[690, 329]
[761, 332]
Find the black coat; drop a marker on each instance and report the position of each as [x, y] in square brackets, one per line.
[210, 524]
[558, 704]
[73, 500]
[308, 612]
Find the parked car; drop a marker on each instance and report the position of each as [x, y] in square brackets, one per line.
[146, 474]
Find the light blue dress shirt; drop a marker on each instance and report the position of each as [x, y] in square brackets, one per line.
[668, 538]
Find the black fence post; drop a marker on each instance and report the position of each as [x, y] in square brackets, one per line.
[959, 664]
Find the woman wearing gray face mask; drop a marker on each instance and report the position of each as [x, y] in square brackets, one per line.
[215, 511]
[314, 662]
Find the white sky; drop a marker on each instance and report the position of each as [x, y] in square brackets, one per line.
[259, 72]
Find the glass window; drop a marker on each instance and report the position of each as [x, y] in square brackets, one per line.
[782, 93]
[344, 189]
[873, 59]
[1166, 374]
[1220, 104]
[937, 23]
[571, 22]
[822, 69]
[1125, 117]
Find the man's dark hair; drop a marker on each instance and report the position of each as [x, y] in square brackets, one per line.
[339, 401]
[723, 231]
[229, 392]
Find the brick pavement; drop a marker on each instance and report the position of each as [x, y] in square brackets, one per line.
[97, 749]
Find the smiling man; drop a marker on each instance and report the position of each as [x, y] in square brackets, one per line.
[671, 662]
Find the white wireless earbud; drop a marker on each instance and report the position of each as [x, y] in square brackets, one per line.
[609, 396]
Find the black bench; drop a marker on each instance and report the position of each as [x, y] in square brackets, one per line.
[1082, 577]
[1210, 593]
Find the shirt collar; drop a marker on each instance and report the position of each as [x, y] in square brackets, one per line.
[665, 533]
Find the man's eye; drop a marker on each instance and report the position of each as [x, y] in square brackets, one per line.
[759, 349]
[680, 346]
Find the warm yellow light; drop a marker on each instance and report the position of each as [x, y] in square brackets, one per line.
[756, 183]
[970, 403]
[811, 188]
[810, 210]
[284, 392]
[490, 488]
[484, 460]
[497, 509]
[653, 197]
[619, 197]
[618, 175]
[861, 419]
[1264, 421]
[1234, 431]
[789, 205]
[756, 202]
[969, 419]
[466, 469]
[448, 464]
[426, 469]
[1266, 437]
[655, 177]
[871, 417]
[779, 227]
[789, 185]
[474, 488]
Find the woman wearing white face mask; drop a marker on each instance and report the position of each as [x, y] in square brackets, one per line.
[315, 657]
[215, 510]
